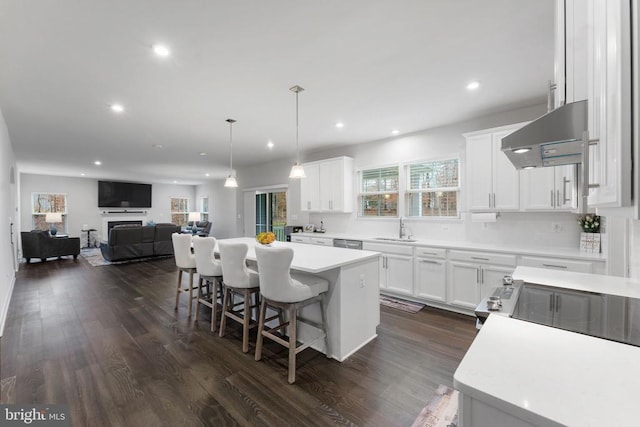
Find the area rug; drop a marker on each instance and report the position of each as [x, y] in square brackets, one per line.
[95, 258]
[408, 306]
[441, 410]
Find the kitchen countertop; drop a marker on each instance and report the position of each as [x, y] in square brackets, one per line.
[463, 245]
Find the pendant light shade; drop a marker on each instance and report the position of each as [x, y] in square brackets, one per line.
[297, 171]
[231, 180]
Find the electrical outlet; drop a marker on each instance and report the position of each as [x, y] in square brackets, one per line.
[362, 280]
[556, 227]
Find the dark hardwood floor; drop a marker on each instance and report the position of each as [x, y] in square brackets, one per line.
[107, 342]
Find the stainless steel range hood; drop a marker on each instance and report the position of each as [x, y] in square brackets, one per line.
[551, 140]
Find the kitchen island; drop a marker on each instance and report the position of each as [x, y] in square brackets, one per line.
[353, 298]
[519, 373]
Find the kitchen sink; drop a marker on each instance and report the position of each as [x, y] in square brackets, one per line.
[395, 239]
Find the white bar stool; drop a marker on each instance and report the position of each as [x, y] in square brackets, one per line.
[281, 290]
[238, 280]
[210, 273]
[186, 263]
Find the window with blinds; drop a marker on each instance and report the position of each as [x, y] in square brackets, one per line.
[379, 192]
[180, 211]
[204, 209]
[43, 203]
[433, 189]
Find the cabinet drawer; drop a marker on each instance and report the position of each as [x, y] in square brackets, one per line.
[431, 252]
[557, 264]
[299, 239]
[321, 241]
[388, 249]
[483, 257]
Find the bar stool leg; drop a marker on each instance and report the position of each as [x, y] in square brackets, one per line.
[223, 315]
[246, 318]
[190, 291]
[293, 320]
[261, 317]
[198, 299]
[178, 288]
[325, 329]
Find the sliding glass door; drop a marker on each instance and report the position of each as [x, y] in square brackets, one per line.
[271, 212]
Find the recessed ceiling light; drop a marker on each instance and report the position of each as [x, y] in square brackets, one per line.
[522, 150]
[339, 125]
[203, 154]
[161, 50]
[157, 145]
[270, 145]
[528, 167]
[117, 108]
[206, 174]
[97, 163]
[473, 85]
[175, 182]
[82, 174]
[395, 132]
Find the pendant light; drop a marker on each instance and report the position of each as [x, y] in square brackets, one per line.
[231, 180]
[297, 171]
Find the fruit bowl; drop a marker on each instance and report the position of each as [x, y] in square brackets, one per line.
[266, 238]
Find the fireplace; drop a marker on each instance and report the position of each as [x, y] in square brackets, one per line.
[111, 224]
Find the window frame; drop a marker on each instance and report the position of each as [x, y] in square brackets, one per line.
[360, 193]
[204, 214]
[184, 221]
[408, 190]
[34, 213]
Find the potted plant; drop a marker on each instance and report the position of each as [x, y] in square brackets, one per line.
[589, 223]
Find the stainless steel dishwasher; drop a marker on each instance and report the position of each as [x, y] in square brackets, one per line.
[345, 243]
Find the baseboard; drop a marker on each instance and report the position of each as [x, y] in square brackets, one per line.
[5, 309]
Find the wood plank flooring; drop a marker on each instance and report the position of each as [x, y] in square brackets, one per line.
[107, 342]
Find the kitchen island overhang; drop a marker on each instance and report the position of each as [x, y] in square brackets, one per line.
[353, 298]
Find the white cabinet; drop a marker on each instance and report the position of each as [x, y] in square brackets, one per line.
[492, 180]
[396, 267]
[550, 188]
[472, 275]
[328, 186]
[430, 274]
[299, 239]
[321, 241]
[593, 62]
[560, 264]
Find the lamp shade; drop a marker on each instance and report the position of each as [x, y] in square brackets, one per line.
[297, 171]
[231, 181]
[53, 217]
[194, 216]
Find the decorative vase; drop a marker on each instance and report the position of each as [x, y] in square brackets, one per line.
[53, 230]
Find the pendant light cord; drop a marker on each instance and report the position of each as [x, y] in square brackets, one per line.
[231, 122]
[297, 131]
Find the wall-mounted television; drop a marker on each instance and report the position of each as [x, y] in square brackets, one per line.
[115, 194]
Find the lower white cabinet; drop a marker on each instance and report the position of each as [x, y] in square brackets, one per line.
[396, 267]
[430, 274]
[300, 239]
[558, 264]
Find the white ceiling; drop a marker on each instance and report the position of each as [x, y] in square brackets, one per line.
[375, 65]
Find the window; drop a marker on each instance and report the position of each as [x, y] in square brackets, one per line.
[271, 213]
[433, 189]
[379, 192]
[43, 203]
[179, 211]
[204, 209]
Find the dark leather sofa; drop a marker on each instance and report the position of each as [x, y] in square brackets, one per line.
[201, 228]
[129, 241]
[40, 244]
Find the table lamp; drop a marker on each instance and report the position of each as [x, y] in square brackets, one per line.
[53, 218]
[194, 217]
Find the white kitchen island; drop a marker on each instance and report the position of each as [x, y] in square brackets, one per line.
[353, 299]
[517, 373]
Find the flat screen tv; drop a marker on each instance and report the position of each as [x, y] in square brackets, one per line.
[114, 194]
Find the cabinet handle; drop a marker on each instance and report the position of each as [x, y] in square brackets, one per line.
[308, 205]
[480, 258]
[494, 200]
[552, 202]
[429, 253]
[428, 261]
[478, 275]
[489, 199]
[565, 181]
[481, 275]
[557, 303]
[554, 266]
[550, 302]
[558, 199]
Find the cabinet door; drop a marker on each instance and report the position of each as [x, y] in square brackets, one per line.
[399, 271]
[310, 188]
[431, 279]
[506, 179]
[572, 311]
[535, 305]
[332, 186]
[463, 284]
[491, 276]
[479, 175]
[538, 189]
[566, 187]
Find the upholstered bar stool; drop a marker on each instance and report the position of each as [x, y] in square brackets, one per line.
[280, 289]
[238, 280]
[186, 263]
[210, 273]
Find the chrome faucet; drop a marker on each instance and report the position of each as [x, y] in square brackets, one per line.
[403, 232]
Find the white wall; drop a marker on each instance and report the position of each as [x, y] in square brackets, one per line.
[8, 214]
[222, 208]
[82, 201]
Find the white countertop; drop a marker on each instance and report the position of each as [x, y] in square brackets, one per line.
[596, 283]
[312, 258]
[464, 245]
[539, 373]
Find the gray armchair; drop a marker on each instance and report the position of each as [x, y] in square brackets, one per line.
[39, 244]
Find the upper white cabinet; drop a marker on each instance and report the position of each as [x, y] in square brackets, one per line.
[593, 62]
[492, 181]
[328, 186]
[548, 189]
